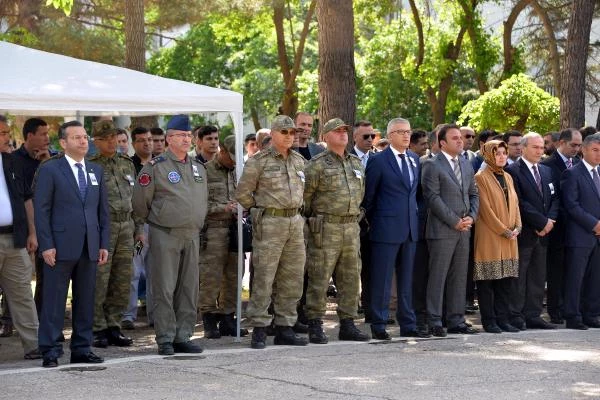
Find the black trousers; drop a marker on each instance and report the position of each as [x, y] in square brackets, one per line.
[494, 297]
[527, 301]
[365, 274]
[555, 274]
[419, 288]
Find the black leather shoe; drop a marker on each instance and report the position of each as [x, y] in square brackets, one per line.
[50, 362]
[210, 320]
[463, 329]
[438, 331]
[349, 331]
[380, 335]
[88, 358]
[506, 327]
[592, 323]
[315, 332]
[299, 327]
[287, 337]
[228, 324]
[539, 323]
[557, 320]
[116, 338]
[492, 328]
[416, 333]
[519, 324]
[332, 291]
[187, 347]
[100, 339]
[259, 338]
[576, 325]
[34, 354]
[166, 349]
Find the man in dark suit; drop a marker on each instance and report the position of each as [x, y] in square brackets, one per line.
[580, 189]
[391, 211]
[363, 136]
[72, 223]
[538, 203]
[563, 158]
[449, 189]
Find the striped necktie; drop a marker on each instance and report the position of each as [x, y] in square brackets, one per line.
[82, 181]
[456, 169]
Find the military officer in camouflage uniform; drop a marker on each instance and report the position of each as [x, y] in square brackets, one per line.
[332, 195]
[271, 186]
[171, 195]
[218, 264]
[113, 278]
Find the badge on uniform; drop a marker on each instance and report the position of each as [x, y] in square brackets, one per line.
[93, 178]
[174, 177]
[129, 179]
[301, 175]
[144, 179]
[551, 186]
[358, 174]
[196, 173]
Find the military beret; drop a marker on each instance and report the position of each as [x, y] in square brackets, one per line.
[282, 122]
[333, 124]
[229, 145]
[180, 122]
[103, 128]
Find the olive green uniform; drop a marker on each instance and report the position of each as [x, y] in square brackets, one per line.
[272, 187]
[114, 277]
[333, 192]
[218, 265]
[171, 196]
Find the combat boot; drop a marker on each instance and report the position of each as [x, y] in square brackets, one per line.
[286, 336]
[100, 339]
[228, 324]
[348, 331]
[315, 332]
[259, 338]
[210, 326]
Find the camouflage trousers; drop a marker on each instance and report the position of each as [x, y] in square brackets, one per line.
[113, 278]
[339, 253]
[218, 273]
[278, 258]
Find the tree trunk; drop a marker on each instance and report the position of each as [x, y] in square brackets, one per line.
[552, 45]
[572, 95]
[135, 49]
[337, 80]
[255, 119]
[598, 120]
[509, 50]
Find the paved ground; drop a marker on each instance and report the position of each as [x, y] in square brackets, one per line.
[560, 364]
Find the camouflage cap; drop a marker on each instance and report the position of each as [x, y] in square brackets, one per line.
[229, 145]
[282, 122]
[103, 128]
[333, 124]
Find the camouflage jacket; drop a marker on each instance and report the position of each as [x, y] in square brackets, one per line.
[221, 189]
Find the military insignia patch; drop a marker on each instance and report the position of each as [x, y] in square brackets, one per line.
[174, 177]
[144, 179]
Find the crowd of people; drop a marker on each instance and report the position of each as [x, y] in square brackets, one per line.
[511, 225]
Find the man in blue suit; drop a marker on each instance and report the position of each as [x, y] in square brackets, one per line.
[538, 203]
[391, 211]
[580, 189]
[71, 221]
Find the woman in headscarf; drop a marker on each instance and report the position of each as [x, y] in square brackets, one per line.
[496, 231]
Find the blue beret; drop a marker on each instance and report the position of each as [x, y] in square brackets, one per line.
[180, 122]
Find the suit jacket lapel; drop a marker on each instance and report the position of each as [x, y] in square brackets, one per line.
[446, 165]
[389, 154]
[589, 179]
[525, 171]
[66, 170]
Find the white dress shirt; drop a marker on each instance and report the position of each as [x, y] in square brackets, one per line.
[409, 161]
[75, 170]
[364, 157]
[6, 215]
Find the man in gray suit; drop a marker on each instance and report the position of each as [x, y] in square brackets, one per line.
[450, 192]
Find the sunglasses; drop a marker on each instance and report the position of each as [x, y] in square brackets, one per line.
[288, 132]
[470, 136]
[366, 137]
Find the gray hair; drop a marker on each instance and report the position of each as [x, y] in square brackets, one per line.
[530, 135]
[394, 122]
[595, 138]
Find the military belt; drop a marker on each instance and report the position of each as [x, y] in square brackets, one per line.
[215, 223]
[120, 216]
[337, 219]
[280, 212]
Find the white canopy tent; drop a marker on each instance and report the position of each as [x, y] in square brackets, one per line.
[38, 83]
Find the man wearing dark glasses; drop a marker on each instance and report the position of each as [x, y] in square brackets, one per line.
[468, 137]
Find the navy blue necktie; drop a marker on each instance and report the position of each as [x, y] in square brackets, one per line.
[82, 181]
[405, 173]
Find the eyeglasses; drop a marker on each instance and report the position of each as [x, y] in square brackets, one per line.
[470, 136]
[367, 136]
[287, 132]
[183, 135]
[402, 131]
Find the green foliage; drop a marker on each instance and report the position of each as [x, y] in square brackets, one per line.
[64, 5]
[518, 103]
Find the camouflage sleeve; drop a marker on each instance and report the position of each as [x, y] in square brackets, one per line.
[244, 193]
[143, 193]
[312, 172]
